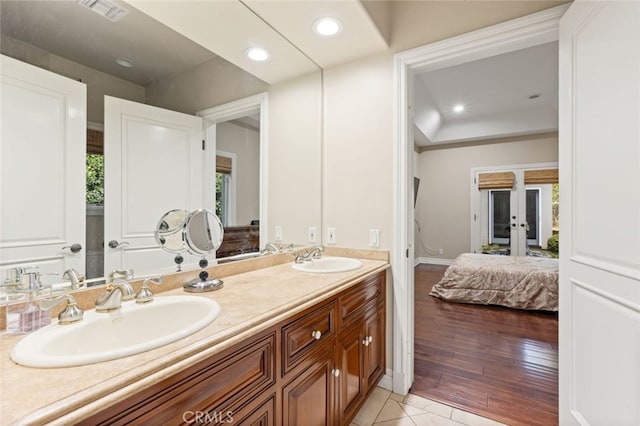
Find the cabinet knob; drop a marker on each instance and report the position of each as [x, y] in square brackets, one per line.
[335, 372]
[370, 339]
[316, 334]
[365, 341]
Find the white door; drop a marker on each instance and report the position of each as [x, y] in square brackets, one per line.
[43, 147]
[600, 215]
[153, 163]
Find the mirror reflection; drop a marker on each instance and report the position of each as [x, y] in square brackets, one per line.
[169, 232]
[203, 232]
[169, 71]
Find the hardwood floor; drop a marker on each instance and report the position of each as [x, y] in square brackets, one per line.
[496, 362]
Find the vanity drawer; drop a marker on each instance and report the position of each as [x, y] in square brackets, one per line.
[307, 334]
[353, 301]
[213, 388]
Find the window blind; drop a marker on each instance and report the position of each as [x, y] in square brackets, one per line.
[496, 180]
[223, 164]
[532, 177]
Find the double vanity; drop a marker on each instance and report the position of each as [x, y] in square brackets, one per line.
[285, 346]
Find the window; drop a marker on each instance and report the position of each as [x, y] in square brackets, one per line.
[95, 179]
[223, 181]
[225, 188]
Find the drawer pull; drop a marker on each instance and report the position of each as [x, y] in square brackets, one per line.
[335, 372]
[316, 334]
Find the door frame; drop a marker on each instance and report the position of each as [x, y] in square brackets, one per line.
[520, 33]
[231, 111]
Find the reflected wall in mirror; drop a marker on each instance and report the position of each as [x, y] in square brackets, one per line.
[169, 71]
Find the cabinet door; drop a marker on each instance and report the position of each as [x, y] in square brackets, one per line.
[374, 341]
[351, 364]
[309, 398]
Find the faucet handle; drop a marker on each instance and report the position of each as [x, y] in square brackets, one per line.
[126, 274]
[70, 314]
[145, 295]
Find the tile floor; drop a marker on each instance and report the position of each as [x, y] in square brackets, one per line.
[389, 409]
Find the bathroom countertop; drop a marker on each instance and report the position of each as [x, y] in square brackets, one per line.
[250, 302]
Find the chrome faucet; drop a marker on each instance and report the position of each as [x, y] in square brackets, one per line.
[77, 280]
[270, 248]
[308, 255]
[116, 293]
[145, 295]
[70, 314]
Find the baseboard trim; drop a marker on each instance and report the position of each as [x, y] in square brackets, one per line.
[386, 382]
[433, 261]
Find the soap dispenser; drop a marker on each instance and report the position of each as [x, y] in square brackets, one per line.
[26, 316]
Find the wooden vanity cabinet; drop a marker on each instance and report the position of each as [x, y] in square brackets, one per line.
[209, 392]
[361, 344]
[314, 368]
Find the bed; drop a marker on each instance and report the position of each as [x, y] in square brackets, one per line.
[512, 281]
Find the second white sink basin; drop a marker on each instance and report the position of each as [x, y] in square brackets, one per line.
[327, 264]
[105, 336]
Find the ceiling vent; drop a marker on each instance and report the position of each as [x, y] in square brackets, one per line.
[106, 8]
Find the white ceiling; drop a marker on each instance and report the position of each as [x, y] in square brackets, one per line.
[496, 94]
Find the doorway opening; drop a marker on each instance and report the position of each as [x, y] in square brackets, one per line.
[529, 31]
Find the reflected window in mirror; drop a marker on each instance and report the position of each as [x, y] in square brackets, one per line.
[225, 193]
[94, 260]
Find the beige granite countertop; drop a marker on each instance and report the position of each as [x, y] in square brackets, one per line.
[250, 302]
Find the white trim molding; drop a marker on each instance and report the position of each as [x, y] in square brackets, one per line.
[433, 261]
[231, 111]
[528, 31]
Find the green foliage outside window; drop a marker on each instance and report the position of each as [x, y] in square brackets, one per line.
[95, 179]
[219, 194]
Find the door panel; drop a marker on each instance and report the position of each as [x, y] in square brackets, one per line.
[600, 174]
[153, 164]
[43, 134]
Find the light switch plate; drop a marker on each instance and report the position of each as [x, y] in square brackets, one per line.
[313, 234]
[331, 235]
[278, 233]
[374, 238]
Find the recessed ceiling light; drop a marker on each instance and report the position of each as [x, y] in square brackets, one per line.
[327, 26]
[124, 62]
[458, 108]
[257, 54]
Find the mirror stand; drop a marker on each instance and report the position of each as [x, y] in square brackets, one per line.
[203, 283]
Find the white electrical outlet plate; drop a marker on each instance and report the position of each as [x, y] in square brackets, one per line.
[374, 238]
[313, 234]
[331, 235]
[278, 233]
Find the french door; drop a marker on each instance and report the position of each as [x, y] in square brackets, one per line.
[513, 210]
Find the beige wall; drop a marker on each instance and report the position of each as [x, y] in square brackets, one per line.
[295, 158]
[245, 143]
[98, 83]
[358, 139]
[358, 169]
[444, 199]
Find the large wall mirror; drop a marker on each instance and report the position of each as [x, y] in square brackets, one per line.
[132, 65]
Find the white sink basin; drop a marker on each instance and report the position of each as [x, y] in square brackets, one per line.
[105, 336]
[327, 264]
